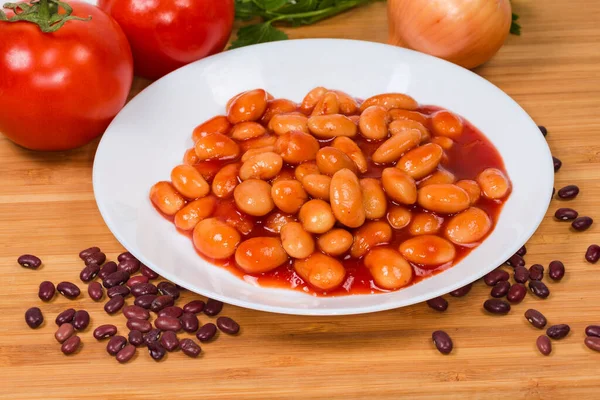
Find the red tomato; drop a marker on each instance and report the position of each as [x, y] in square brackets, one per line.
[168, 34]
[60, 90]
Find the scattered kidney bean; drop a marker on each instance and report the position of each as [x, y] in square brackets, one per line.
[169, 341]
[167, 324]
[148, 272]
[189, 322]
[496, 306]
[95, 291]
[194, 306]
[557, 163]
[115, 279]
[568, 192]
[65, 316]
[437, 303]
[460, 292]
[145, 301]
[521, 274]
[536, 318]
[207, 332]
[83, 254]
[114, 305]
[126, 353]
[228, 325]
[557, 332]
[566, 214]
[190, 348]
[136, 338]
[442, 342]
[522, 251]
[213, 307]
[137, 324]
[136, 280]
[115, 344]
[161, 302]
[517, 293]
[592, 342]
[68, 289]
[64, 332]
[142, 289]
[125, 256]
[71, 345]
[96, 258]
[89, 272]
[131, 266]
[172, 311]
[556, 270]
[553, 191]
[46, 291]
[592, 255]
[539, 289]
[121, 290]
[134, 311]
[543, 130]
[582, 223]
[495, 276]
[34, 317]
[544, 345]
[157, 352]
[105, 331]
[81, 320]
[536, 272]
[515, 261]
[107, 269]
[592, 330]
[152, 336]
[501, 289]
[168, 289]
[29, 261]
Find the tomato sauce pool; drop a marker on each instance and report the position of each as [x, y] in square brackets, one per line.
[471, 153]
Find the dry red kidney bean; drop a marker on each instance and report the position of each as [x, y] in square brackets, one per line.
[81, 320]
[107, 269]
[515, 261]
[83, 254]
[536, 318]
[517, 293]
[95, 291]
[437, 303]
[167, 288]
[557, 163]
[68, 289]
[121, 290]
[568, 192]
[136, 324]
[115, 279]
[71, 345]
[495, 276]
[136, 338]
[228, 325]
[115, 344]
[582, 223]
[145, 301]
[213, 307]
[442, 342]
[592, 255]
[64, 332]
[161, 302]
[593, 330]
[553, 191]
[89, 272]
[136, 280]
[172, 311]
[522, 251]
[496, 306]
[29, 261]
[544, 345]
[130, 266]
[46, 291]
[134, 311]
[592, 342]
[148, 272]
[543, 130]
[207, 332]
[142, 289]
[167, 324]
[189, 322]
[157, 352]
[194, 306]
[95, 258]
[169, 341]
[126, 353]
[105, 331]
[114, 305]
[65, 316]
[536, 272]
[521, 274]
[566, 214]
[190, 348]
[500, 289]
[559, 331]
[460, 292]
[556, 270]
[34, 317]
[152, 336]
[125, 256]
[539, 289]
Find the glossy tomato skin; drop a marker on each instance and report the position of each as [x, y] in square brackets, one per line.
[60, 90]
[168, 34]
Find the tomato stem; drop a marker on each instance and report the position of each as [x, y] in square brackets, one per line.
[44, 13]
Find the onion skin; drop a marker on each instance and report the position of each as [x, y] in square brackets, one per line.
[465, 32]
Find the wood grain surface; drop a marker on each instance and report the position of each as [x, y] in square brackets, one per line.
[47, 208]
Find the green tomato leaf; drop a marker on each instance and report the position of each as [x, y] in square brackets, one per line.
[258, 33]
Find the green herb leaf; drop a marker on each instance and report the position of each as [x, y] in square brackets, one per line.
[515, 28]
[273, 5]
[257, 33]
[246, 10]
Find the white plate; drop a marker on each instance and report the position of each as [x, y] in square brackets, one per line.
[148, 138]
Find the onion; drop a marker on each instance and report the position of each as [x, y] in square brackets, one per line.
[465, 32]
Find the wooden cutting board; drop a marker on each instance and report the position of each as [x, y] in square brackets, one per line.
[47, 208]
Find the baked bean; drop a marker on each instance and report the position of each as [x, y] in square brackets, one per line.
[444, 142]
[428, 250]
[256, 143]
[469, 226]
[346, 198]
[402, 125]
[260, 254]
[317, 186]
[190, 157]
[425, 224]
[321, 271]
[208, 169]
[164, 197]
[261, 166]
[327, 105]
[306, 168]
[393, 148]
[216, 147]
[297, 147]
[472, 189]
[218, 124]
[64, 332]
[330, 160]
[284, 175]
[311, 99]
[420, 162]
[284, 123]
[276, 220]
[46, 291]
[399, 186]
[331, 126]
[248, 106]
[296, 241]
[252, 152]
[277, 106]
[253, 197]
[373, 123]
[226, 180]
[335, 242]
[389, 101]
[443, 198]
[347, 103]
[398, 113]
[188, 217]
[351, 149]
[373, 197]
[247, 130]
[399, 217]
[388, 268]
[215, 239]
[447, 124]
[288, 196]
[440, 175]
[316, 216]
[493, 183]
[369, 235]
